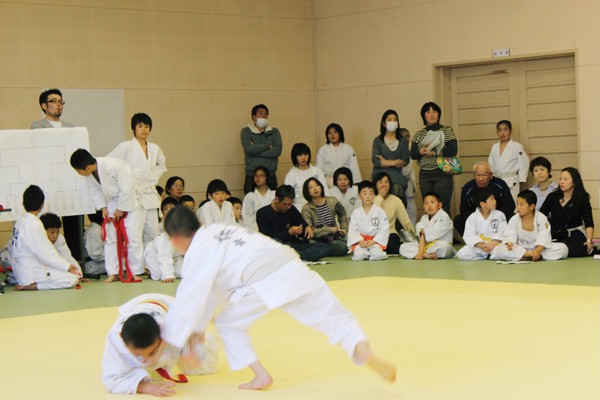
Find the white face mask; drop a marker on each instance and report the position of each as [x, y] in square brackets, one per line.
[261, 122]
[391, 126]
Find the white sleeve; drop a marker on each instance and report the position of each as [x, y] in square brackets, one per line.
[501, 227]
[544, 237]
[204, 215]
[45, 250]
[523, 162]
[383, 233]
[61, 246]
[118, 376]
[248, 211]
[321, 158]
[96, 193]
[354, 168]
[354, 228]
[511, 233]
[120, 151]
[440, 227]
[159, 169]
[126, 200]
[470, 236]
[164, 257]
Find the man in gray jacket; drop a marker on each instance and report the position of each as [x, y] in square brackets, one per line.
[262, 147]
[51, 103]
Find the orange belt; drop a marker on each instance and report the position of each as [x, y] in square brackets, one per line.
[366, 238]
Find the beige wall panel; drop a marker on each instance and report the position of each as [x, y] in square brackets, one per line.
[263, 8]
[589, 104]
[484, 99]
[485, 82]
[552, 111]
[330, 8]
[460, 26]
[590, 165]
[553, 76]
[587, 31]
[558, 161]
[550, 94]
[546, 64]
[80, 3]
[166, 51]
[483, 115]
[182, 124]
[251, 53]
[376, 48]
[559, 144]
[19, 107]
[191, 6]
[477, 132]
[476, 147]
[558, 127]
[37, 53]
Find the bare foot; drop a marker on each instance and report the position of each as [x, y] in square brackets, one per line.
[419, 256]
[364, 355]
[82, 280]
[31, 286]
[262, 378]
[431, 256]
[110, 279]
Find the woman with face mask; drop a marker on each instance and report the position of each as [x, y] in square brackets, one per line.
[426, 151]
[390, 153]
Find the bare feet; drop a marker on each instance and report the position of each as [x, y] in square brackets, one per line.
[431, 256]
[262, 378]
[110, 279]
[364, 355]
[31, 286]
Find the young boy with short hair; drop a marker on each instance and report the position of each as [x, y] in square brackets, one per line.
[216, 209]
[236, 203]
[52, 226]
[38, 266]
[434, 230]
[112, 191]
[162, 260]
[244, 275]
[483, 229]
[369, 229]
[528, 236]
[131, 344]
[187, 201]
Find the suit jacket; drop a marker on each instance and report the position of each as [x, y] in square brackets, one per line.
[43, 123]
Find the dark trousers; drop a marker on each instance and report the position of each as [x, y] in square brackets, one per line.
[438, 182]
[393, 246]
[72, 235]
[310, 251]
[249, 183]
[576, 245]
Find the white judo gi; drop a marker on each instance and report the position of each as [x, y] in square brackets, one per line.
[481, 230]
[438, 236]
[330, 158]
[349, 200]
[512, 165]
[210, 213]
[161, 259]
[371, 226]
[36, 259]
[61, 246]
[253, 202]
[296, 178]
[528, 240]
[116, 191]
[246, 274]
[122, 371]
[145, 172]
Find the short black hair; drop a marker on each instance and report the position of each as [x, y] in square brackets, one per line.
[50, 221]
[285, 192]
[529, 196]
[263, 169]
[44, 96]
[259, 107]
[433, 194]
[140, 117]
[365, 185]
[338, 129]
[426, 108]
[379, 176]
[33, 198]
[181, 221]
[481, 195]
[234, 200]
[541, 161]
[171, 181]
[216, 185]
[298, 149]
[169, 200]
[81, 158]
[183, 198]
[306, 192]
[343, 171]
[505, 122]
[140, 331]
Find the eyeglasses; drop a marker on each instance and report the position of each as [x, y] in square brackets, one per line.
[56, 101]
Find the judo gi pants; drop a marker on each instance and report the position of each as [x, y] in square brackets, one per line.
[468, 253]
[373, 253]
[441, 249]
[557, 251]
[134, 224]
[319, 309]
[57, 280]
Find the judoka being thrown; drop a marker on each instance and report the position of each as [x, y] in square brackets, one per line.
[245, 275]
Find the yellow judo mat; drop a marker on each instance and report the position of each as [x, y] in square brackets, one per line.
[449, 340]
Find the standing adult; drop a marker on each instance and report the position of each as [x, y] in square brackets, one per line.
[336, 154]
[52, 105]
[433, 141]
[262, 147]
[483, 178]
[390, 153]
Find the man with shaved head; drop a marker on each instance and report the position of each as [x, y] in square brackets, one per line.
[483, 177]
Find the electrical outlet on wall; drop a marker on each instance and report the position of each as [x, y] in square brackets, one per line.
[501, 52]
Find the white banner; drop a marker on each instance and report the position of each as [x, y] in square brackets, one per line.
[41, 157]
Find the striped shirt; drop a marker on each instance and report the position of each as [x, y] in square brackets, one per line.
[430, 162]
[325, 216]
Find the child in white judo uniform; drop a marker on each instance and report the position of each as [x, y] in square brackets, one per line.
[244, 275]
[131, 344]
[236, 204]
[147, 164]
[528, 236]
[434, 230]
[52, 226]
[162, 260]
[336, 154]
[216, 209]
[508, 159]
[261, 196]
[112, 191]
[484, 228]
[38, 266]
[345, 190]
[369, 229]
[187, 201]
[301, 171]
